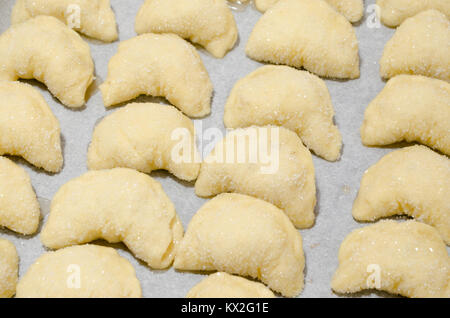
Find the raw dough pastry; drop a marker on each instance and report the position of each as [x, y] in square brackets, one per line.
[290, 186]
[411, 108]
[9, 269]
[284, 96]
[45, 49]
[118, 205]
[413, 181]
[309, 34]
[409, 257]
[223, 285]
[19, 207]
[96, 18]
[352, 10]
[242, 235]
[28, 127]
[140, 136]
[421, 46]
[87, 271]
[394, 12]
[209, 23]
[159, 65]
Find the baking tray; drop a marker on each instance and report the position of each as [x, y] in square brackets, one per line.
[337, 182]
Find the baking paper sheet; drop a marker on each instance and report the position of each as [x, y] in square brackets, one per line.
[337, 183]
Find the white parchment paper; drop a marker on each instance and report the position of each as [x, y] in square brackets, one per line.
[337, 183]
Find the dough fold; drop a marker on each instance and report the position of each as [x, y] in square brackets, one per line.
[223, 285]
[409, 108]
[146, 137]
[352, 10]
[405, 258]
[86, 271]
[9, 269]
[394, 12]
[242, 235]
[19, 207]
[118, 205]
[159, 65]
[284, 96]
[209, 23]
[309, 34]
[414, 181]
[420, 46]
[45, 49]
[285, 177]
[28, 127]
[96, 18]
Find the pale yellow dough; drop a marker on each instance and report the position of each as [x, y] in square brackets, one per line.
[141, 136]
[209, 23]
[421, 46]
[413, 181]
[394, 12]
[411, 258]
[159, 65]
[28, 127]
[87, 271]
[284, 96]
[352, 10]
[19, 207]
[309, 34]
[45, 49]
[290, 186]
[411, 108]
[242, 235]
[9, 269]
[118, 205]
[223, 285]
[96, 18]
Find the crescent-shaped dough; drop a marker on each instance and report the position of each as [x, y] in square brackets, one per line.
[420, 46]
[45, 49]
[413, 181]
[411, 108]
[242, 235]
[96, 18]
[19, 207]
[309, 34]
[87, 271]
[223, 285]
[209, 23]
[289, 184]
[141, 136]
[409, 258]
[284, 96]
[352, 10]
[159, 65]
[28, 127]
[394, 12]
[118, 205]
[9, 269]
